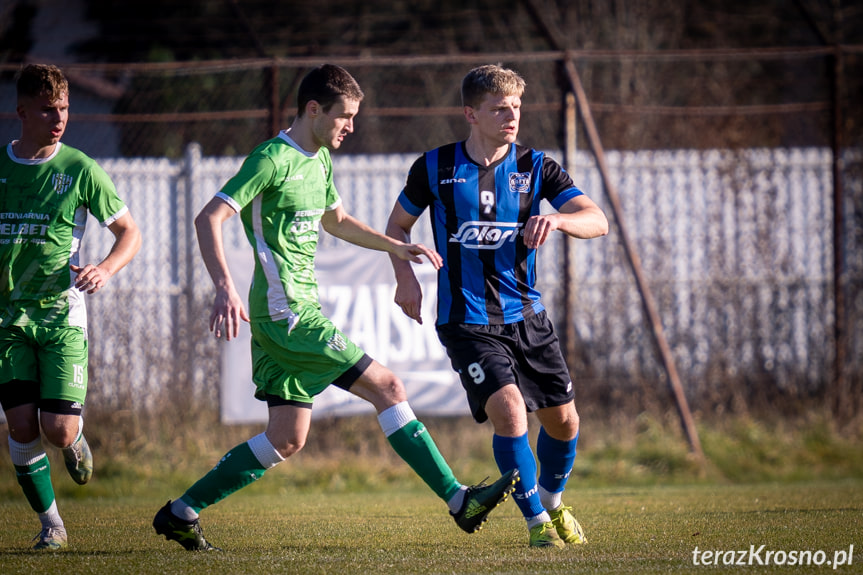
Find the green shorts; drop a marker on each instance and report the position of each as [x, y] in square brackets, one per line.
[56, 357]
[299, 365]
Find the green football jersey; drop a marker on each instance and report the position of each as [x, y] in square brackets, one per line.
[43, 213]
[281, 192]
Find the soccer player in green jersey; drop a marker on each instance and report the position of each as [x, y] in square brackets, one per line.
[283, 192]
[46, 191]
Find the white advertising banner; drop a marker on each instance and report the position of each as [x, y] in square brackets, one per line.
[357, 287]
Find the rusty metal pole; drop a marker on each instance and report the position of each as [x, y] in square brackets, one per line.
[569, 279]
[275, 103]
[635, 262]
[842, 396]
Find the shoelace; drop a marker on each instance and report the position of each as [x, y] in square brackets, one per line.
[481, 484]
[46, 533]
[561, 511]
[75, 449]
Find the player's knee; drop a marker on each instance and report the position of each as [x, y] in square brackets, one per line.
[61, 421]
[568, 426]
[560, 423]
[385, 388]
[59, 435]
[23, 424]
[380, 387]
[392, 390]
[290, 447]
[574, 422]
[573, 427]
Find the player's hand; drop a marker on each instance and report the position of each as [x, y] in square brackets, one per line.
[90, 278]
[412, 253]
[409, 297]
[538, 229]
[228, 311]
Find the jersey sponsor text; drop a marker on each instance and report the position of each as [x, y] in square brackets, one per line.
[486, 235]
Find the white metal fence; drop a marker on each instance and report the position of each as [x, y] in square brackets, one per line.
[736, 245]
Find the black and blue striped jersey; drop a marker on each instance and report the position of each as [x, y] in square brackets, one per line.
[478, 216]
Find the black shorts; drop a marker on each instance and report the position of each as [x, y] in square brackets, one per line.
[18, 392]
[526, 353]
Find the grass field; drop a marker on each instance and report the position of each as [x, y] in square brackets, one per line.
[630, 530]
[347, 505]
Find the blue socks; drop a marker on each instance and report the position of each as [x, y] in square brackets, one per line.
[515, 453]
[556, 459]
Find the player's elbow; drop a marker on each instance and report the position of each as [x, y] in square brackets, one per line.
[136, 240]
[395, 231]
[205, 221]
[127, 235]
[600, 223]
[331, 226]
[201, 220]
[602, 227]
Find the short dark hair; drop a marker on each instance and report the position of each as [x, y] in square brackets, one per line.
[490, 79]
[36, 80]
[325, 85]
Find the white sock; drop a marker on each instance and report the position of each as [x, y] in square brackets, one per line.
[394, 418]
[543, 517]
[457, 500]
[550, 501]
[51, 517]
[26, 453]
[267, 455]
[183, 511]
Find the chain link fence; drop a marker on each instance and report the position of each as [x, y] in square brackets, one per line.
[735, 222]
[736, 245]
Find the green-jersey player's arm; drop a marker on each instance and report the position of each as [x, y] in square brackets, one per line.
[127, 241]
[228, 308]
[409, 295]
[344, 226]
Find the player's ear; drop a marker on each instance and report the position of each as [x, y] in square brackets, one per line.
[313, 108]
[469, 115]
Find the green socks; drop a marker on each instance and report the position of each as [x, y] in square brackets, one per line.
[413, 443]
[35, 480]
[33, 471]
[248, 461]
[238, 468]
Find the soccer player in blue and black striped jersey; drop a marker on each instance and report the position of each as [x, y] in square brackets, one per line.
[483, 196]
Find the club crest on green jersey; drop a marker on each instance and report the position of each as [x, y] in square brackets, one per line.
[61, 183]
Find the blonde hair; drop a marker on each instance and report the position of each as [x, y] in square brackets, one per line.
[490, 79]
